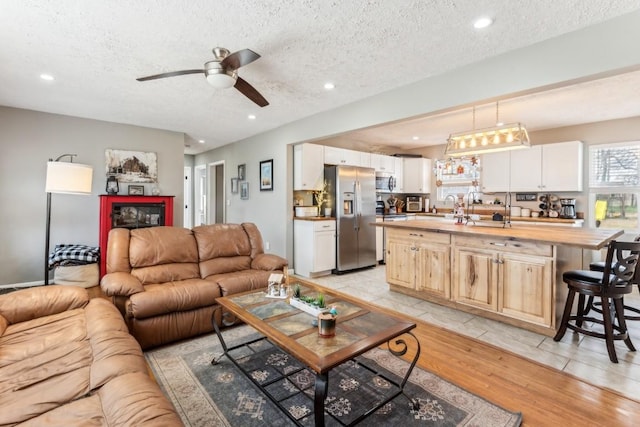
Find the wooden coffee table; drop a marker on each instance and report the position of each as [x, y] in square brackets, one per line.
[359, 328]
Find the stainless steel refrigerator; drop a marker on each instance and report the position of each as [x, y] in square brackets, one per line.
[352, 196]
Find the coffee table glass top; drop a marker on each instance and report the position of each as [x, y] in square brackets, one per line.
[359, 327]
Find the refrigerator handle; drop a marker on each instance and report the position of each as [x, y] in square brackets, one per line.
[358, 207]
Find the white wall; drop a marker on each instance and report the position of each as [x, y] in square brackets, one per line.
[28, 139]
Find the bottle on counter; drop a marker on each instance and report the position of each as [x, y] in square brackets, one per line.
[434, 210]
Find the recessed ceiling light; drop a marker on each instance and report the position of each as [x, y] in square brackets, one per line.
[201, 141]
[329, 86]
[482, 22]
[251, 116]
[47, 77]
[415, 138]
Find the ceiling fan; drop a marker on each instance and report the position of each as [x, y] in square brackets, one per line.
[222, 72]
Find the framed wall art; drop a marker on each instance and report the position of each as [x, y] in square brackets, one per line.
[136, 190]
[242, 172]
[234, 185]
[131, 166]
[266, 175]
[244, 190]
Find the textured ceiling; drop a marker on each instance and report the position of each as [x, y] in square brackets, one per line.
[96, 50]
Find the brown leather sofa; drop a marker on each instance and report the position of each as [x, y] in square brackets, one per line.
[165, 280]
[66, 360]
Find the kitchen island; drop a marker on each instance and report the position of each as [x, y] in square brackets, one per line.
[511, 274]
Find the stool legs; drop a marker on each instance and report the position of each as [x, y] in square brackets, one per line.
[612, 332]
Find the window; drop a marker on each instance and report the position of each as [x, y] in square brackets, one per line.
[457, 176]
[614, 185]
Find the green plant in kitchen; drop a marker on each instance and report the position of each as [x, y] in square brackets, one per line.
[296, 291]
[321, 196]
[320, 301]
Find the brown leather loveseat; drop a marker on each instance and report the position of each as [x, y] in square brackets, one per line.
[66, 360]
[165, 280]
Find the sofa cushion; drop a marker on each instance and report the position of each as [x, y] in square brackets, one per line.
[163, 254]
[221, 240]
[241, 281]
[24, 305]
[169, 297]
[162, 245]
[224, 265]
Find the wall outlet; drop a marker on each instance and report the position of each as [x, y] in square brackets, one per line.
[267, 246]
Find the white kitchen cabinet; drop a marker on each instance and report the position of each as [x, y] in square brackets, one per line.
[341, 156]
[525, 172]
[314, 247]
[399, 174]
[548, 168]
[308, 168]
[562, 166]
[540, 168]
[383, 163]
[417, 175]
[495, 172]
[365, 160]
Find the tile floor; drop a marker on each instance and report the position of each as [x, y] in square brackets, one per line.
[582, 356]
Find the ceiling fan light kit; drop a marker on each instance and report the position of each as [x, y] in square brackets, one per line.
[222, 73]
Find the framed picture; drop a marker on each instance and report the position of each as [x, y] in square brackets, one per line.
[242, 172]
[136, 190]
[131, 166]
[244, 190]
[266, 175]
[234, 185]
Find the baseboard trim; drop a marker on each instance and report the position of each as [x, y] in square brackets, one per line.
[23, 285]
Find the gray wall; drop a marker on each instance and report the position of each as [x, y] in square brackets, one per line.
[28, 140]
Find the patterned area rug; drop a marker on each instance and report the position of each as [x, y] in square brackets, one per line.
[220, 395]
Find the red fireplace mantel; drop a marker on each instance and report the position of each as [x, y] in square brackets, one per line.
[131, 212]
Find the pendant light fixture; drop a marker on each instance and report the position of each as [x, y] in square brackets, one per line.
[500, 137]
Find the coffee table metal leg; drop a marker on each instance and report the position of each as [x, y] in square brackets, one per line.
[401, 351]
[321, 388]
[215, 360]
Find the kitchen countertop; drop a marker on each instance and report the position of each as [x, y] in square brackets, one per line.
[513, 218]
[315, 218]
[585, 238]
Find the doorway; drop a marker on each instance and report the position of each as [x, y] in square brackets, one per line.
[200, 191]
[217, 208]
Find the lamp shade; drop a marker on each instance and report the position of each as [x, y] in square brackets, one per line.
[68, 178]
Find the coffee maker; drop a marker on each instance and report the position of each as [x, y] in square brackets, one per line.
[568, 208]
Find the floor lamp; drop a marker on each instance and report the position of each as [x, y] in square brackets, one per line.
[65, 178]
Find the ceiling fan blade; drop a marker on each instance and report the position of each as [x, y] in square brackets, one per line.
[250, 92]
[171, 74]
[239, 59]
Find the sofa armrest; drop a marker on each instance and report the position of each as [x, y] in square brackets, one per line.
[120, 284]
[268, 262]
[41, 301]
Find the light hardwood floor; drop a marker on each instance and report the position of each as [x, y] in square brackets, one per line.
[571, 383]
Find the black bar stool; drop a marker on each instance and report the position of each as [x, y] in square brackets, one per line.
[609, 287]
[595, 305]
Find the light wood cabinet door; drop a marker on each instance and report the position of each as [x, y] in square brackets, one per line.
[433, 269]
[400, 261]
[476, 278]
[526, 288]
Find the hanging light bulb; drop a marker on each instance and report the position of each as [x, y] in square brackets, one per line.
[485, 141]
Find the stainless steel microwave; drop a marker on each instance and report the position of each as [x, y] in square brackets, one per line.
[385, 182]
